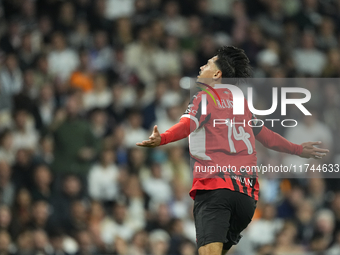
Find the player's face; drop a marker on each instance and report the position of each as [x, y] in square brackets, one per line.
[209, 70]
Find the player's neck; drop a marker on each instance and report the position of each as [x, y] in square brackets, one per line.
[214, 83]
[210, 83]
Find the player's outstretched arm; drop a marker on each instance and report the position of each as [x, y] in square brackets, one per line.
[310, 151]
[276, 142]
[154, 139]
[176, 132]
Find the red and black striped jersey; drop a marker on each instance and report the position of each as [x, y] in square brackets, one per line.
[222, 145]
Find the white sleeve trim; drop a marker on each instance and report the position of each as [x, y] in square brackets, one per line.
[193, 118]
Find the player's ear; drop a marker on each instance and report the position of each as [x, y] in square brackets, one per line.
[217, 75]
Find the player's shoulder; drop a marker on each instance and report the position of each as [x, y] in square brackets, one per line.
[197, 96]
[199, 93]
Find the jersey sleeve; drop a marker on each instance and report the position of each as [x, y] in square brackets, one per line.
[256, 125]
[255, 122]
[194, 111]
[278, 143]
[177, 132]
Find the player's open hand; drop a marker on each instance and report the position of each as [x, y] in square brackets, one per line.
[310, 151]
[154, 139]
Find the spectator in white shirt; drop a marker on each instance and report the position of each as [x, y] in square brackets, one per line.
[119, 225]
[335, 248]
[168, 61]
[159, 242]
[100, 96]
[137, 201]
[10, 77]
[324, 226]
[134, 129]
[143, 51]
[62, 61]
[7, 152]
[308, 59]
[24, 135]
[264, 230]
[179, 205]
[101, 56]
[119, 8]
[98, 119]
[158, 189]
[46, 105]
[175, 24]
[103, 178]
[7, 188]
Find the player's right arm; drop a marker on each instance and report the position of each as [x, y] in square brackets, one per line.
[176, 132]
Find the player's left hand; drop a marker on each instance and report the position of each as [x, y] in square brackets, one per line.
[154, 139]
[310, 151]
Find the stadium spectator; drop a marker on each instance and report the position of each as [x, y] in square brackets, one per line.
[78, 219]
[96, 216]
[41, 242]
[139, 243]
[100, 96]
[40, 216]
[11, 76]
[134, 128]
[56, 240]
[101, 55]
[27, 54]
[75, 146]
[156, 187]
[7, 188]
[25, 243]
[22, 213]
[42, 178]
[7, 152]
[66, 18]
[263, 231]
[159, 242]
[308, 59]
[137, 201]
[304, 221]
[61, 60]
[273, 20]
[119, 225]
[99, 119]
[72, 190]
[24, 135]
[285, 241]
[103, 178]
[5, 242]
[80, 36]
[5, 218]
[82, 78]
[44, 155]
[323, 230]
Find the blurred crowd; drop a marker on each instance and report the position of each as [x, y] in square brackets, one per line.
[82, 81]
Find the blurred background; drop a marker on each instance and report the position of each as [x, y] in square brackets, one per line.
[82, 81]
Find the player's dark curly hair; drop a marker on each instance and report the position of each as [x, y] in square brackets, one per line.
[233, 62]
